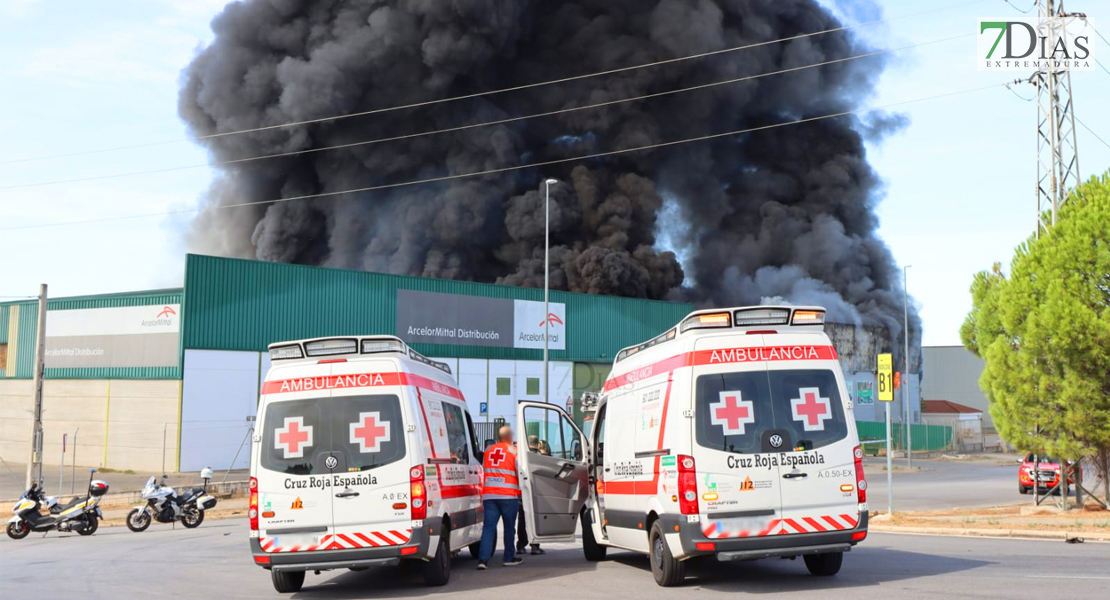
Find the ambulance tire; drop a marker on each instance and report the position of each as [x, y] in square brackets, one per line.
[437, 571]
[667, 570]
[594, 551]
[824, 565]
[287, 582]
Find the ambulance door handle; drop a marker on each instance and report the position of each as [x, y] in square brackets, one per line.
[346, 494]
[795, 475]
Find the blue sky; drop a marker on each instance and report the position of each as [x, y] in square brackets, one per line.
[86, 75]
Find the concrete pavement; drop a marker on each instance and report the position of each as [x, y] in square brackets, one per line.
[214, 561]
[944, 484]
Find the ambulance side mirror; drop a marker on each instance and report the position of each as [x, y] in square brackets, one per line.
[487, 444]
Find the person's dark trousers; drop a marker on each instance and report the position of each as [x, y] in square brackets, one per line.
[521, 530]
[505, 511]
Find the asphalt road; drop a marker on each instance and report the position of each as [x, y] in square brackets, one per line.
[213, 562]
[941, 484]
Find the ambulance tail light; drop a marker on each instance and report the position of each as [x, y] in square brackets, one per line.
[687, 485]
[252, 513]
[861, 482]
[418, 494]
[808, 317]
[706, 321]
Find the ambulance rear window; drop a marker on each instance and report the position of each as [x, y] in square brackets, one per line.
[365, 431]
[808, 405]
[734, 410]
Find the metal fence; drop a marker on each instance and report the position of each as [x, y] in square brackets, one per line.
[925, 438]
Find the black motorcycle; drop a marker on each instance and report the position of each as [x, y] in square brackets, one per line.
[79, 514]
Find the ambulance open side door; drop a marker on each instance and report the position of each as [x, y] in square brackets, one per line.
[554, 475]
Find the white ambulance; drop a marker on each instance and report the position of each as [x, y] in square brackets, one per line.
[730, 435]
[363, 455]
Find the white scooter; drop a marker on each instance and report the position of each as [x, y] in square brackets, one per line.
[80, 514]
[163, 504]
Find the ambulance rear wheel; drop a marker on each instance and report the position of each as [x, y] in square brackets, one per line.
[437, 571]
[824, 565]
[287, 582]
[667, 570]
[593, 550]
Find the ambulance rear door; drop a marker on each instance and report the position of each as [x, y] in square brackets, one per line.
[554, 475]
[370, 480]
[736, 439]
[292, 451]
[818, 464]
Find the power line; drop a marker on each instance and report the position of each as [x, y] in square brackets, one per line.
[1077, 120]
[511, 168]
[485, 123]
[498, 91]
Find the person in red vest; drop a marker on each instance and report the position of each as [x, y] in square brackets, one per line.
[500, 498]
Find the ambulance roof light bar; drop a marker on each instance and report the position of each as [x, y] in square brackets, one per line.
[286, 352]
[808, 316]
[746, 317]
[706, 321]
[331, 347]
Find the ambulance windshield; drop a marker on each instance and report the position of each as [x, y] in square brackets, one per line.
[735, 412]
[361, 432]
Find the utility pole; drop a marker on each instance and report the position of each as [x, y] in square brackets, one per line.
[1057, 152]
[36, 414]
[908, 414]
[546, 280]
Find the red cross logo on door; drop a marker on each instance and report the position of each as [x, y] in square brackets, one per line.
[811, 409]
[369, 432]
[732, 413]
[293, 437]
[496, 456]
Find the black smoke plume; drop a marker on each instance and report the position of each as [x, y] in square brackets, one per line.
[781, 214]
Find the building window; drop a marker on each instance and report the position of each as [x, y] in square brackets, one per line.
[533, 386]
[504, 386]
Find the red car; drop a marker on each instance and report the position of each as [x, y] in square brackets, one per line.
[1049, 473]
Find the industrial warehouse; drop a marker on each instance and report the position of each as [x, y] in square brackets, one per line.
[169, 380]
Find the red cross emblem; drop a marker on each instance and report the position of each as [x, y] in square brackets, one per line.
[369, 432]
[732, 413]
[293, 437]
[811, 409]
[496, 456]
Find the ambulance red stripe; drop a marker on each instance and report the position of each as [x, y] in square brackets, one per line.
[355, 381]
[366, 540]
[384, 538]
[723, 356]
[831, 521]
[817, 525]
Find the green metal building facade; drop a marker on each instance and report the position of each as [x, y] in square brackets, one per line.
[233, 304]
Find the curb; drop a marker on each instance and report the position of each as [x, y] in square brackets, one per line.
[997, 533]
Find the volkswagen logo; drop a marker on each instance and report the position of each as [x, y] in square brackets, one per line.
[776, 440]
[331, 462]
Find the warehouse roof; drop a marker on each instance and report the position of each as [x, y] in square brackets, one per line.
[946, 407]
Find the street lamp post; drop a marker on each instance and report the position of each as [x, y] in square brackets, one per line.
[907, 415]
[546, 280]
